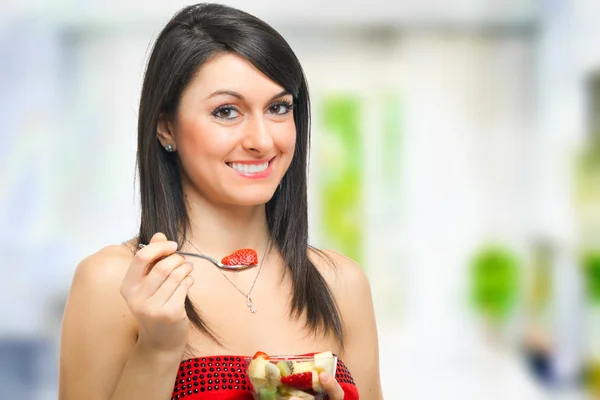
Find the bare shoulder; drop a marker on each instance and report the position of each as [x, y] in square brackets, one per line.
[342, 274]
[98, 330]
[97, 281]
[106, 266]
[350, 287]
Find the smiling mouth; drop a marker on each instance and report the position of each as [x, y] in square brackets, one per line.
[250, 168]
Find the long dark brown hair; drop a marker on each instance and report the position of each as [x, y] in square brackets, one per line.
[193, 36]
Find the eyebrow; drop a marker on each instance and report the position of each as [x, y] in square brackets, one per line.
[241, 97]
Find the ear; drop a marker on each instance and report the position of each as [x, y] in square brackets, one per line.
[165, 132]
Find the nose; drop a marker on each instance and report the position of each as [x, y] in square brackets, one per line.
[257, 138]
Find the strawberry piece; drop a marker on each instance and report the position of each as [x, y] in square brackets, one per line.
[260, 354]
[301, 381]
[241, 257]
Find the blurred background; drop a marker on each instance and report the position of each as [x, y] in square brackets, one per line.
[456, 156]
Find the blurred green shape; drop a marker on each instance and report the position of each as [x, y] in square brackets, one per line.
[341, 162]
[590, 262]
[494, 281]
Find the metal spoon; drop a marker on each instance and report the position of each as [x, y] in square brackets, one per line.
[212, 260]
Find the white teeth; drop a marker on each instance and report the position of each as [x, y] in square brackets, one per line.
[249, 168]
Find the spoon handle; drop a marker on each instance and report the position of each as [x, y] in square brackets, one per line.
[209, 258]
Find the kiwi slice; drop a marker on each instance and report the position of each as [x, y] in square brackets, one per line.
[285, 368]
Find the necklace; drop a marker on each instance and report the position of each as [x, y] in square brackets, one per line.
[249, 302]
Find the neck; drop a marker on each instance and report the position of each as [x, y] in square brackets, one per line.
[219, 230]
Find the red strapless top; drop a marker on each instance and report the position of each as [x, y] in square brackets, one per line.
[224, 378]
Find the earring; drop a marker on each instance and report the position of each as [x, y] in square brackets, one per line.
[169, 148]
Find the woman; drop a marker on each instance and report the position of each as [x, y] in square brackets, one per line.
[223, 136]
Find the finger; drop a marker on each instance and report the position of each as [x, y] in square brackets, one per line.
[160, 273]
[158, 237]
[331, 386]
[179, 295]
[168, 287]
[147, 257]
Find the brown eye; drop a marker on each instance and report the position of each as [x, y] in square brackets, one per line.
[280, 108]
[226, 112]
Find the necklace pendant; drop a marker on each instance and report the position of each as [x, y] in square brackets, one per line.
[250, 305]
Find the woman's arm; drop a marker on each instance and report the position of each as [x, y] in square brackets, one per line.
[101, 357]
[352, 292]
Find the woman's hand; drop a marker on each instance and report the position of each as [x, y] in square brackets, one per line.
[155, 287]
[331, 386]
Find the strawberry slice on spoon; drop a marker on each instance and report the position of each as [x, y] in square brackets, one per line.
[241, 257]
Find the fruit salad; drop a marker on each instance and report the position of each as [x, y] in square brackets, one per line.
[283, 377]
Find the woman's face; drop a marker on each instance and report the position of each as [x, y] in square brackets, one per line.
[234, 133]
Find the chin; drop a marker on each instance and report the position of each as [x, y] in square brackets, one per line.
[252, 199]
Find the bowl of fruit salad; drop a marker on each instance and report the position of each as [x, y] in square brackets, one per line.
[284, 377]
